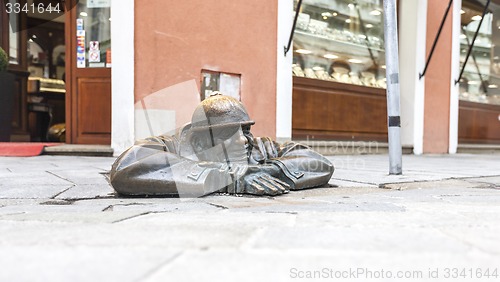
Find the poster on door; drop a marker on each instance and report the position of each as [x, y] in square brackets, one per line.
[94, 52]
[80, 49]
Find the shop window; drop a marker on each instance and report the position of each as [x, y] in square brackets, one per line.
[481, 78]
[14, 38]
[340, 40]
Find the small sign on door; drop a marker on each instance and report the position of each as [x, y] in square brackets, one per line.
[94, 52]
[98, 3]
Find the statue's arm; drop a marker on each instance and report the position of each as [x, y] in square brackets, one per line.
[153, 167]
[302, 167]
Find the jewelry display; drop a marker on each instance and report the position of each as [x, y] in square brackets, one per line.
[310, 73]
[297, 70]
[340, 40]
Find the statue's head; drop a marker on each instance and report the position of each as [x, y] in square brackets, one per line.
[220, 129]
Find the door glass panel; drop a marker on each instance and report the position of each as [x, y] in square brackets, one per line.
[93, 34]
[480, 81]
[14, 38]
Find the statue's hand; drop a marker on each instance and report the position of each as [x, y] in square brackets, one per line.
[264, 184]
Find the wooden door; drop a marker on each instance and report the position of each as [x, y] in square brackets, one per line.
[13, 40]
[88, 73]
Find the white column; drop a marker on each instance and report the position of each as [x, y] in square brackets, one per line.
[455, 72]
[284, 72]
[122, 75]
[412, 33]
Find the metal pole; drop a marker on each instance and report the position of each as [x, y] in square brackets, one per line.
[392, 75]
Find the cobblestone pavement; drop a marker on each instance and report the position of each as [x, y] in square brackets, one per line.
[60, 221]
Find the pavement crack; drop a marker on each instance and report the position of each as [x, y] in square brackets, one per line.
[137, 215]
[57, 203]
[160, 266]
[63, 191]
[283, 212]
[355, 181]
[99, 197]
[111, 207]
[108, 208]
[218, 206]
[9, 169]
[60, 177]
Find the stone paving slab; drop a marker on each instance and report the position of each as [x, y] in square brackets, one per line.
[32, 190]
[296, 265]
[60, 221]
[101, 189]
[80, 263]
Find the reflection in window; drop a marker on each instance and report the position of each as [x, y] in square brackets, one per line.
[340, 40]
[13, 37]
[481, 78]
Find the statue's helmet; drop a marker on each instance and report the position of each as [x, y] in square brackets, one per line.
[218, 112]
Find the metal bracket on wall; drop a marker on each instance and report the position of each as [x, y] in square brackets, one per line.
[297, 10]
[420, 75]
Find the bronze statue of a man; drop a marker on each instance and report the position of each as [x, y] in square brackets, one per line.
[217, 153]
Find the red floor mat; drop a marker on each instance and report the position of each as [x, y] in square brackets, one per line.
[11, 149]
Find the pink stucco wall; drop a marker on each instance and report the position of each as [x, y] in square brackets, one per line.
[437, 81]
[175, 40]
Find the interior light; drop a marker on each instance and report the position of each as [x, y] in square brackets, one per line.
[330, 56]
[317, 68]
[383, 66]
[476, 18]
[350, 5]
[34, 36]
[375, 13]
[334, 14]
[355, 61]
[348, 21]
[463, 36]
[31, 40]
[493, 86]
[368, 25]
[473, 82]
[325, 17]
[462, 12]
[83, 14]
[303, 51]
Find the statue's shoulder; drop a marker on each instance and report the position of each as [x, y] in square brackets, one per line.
[289, 146]
[268, 148]
[162, 142]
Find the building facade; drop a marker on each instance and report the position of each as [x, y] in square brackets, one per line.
[329, 86]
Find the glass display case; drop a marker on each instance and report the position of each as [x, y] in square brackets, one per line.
[480, 81]
[340, 40]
